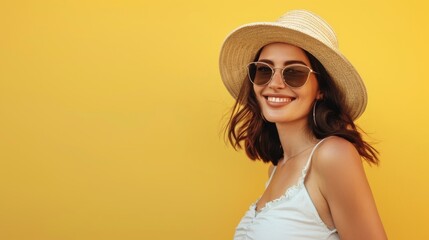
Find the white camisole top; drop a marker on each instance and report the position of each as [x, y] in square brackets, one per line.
[292, 216]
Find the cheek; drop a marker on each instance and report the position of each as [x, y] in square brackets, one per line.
[313, 89]
[257, 90]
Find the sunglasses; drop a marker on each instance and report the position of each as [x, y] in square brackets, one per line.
[294, 75]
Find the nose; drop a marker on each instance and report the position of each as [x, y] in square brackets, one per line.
[277, 79]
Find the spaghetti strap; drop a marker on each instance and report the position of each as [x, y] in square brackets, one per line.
[307, 165]
[271, 176]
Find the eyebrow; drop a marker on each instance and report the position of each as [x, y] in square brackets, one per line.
[284, 64]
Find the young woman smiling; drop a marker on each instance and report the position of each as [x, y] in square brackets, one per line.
[297, 98]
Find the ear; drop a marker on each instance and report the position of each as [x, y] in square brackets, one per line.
[319, 95]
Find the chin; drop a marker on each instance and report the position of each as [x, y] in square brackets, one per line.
[284, 118]
[276, 119]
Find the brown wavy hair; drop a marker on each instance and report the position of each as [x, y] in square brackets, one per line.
[260, 137]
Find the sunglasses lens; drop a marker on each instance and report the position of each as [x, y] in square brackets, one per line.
[296, 75]
[259, 73]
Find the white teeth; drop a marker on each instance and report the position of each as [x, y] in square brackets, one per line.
[279, 100]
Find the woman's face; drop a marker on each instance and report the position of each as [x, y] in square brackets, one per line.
[279, 102]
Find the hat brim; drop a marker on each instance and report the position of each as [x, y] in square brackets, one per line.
[241, 46]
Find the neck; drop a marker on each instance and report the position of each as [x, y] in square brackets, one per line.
[295, 138]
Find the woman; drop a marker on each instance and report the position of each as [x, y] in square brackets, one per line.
[296, 99]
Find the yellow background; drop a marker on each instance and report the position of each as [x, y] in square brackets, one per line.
[111, 116]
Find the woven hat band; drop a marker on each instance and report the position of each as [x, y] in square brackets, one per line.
[311, 25]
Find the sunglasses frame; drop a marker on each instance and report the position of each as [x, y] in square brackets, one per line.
[273, 71]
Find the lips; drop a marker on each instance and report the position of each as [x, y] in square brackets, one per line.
[274, 100]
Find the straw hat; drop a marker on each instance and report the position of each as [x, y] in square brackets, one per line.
[303, 29]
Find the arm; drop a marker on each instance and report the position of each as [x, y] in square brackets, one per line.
[342, 182]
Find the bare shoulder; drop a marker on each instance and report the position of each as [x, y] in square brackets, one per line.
[336, 154]
[341, 179]
[338, 166]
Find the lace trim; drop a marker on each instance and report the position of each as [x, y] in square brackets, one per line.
[290, 192]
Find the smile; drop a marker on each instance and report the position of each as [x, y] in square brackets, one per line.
[279, 99]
